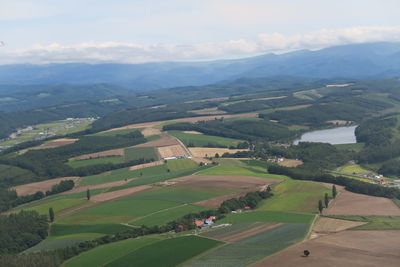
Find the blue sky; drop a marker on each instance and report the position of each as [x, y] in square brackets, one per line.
[41, 31]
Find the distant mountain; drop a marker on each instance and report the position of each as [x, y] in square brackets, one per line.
[370, 60]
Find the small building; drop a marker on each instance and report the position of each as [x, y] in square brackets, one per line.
[247, 208]
[198, 223]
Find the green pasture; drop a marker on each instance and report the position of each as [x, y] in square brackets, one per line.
[165, 253]
[202, 140]
[297, 196]
[107, 253]
[253, 248]
[60, 230]
[88, 162]
[268, 216]
[181, 164]
[165, 216]
[55, 244]
[135, 153]
[57, 205]
[354, 168]
[238, 170]
[223, 232]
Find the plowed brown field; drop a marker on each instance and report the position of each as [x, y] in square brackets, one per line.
[32, 188]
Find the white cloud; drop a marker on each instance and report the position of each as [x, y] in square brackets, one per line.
[137, 53]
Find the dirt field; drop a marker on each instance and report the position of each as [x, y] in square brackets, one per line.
[58, 142]
[165, 140]
[347, 248]
[347, 203]
[192, 132]
[120, 193]
[97, 186]
[146, 165]
[171, 151]
[290, 162]
[207, 111]
[191, 119]
[150, 131]
[114, 152]
[211, 151]
[330, 225]
[32, 188]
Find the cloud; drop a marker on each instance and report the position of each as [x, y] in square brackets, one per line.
[118, 52]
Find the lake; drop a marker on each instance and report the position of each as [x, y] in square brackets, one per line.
[335, 136]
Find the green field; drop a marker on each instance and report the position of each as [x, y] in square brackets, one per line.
[229, 230]
[107, 253]
[239, 170]
[253, 248]
[15, 174]
[135, 153]
[57, 205]
[116, 132]
[296, 196]
[354, 168]
[374, 222]
[165, 216]
[202, 140]
[88, 162]
[268, 216]
[165, 253]
[59, 230]
[357, 147]
[180, 164]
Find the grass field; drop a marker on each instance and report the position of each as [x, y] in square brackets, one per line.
[239, 170]
[57, 205]
[58, 230]
[374, 222]
[15, 173]
[296, 196]
[354, 168]
[107, 253]
[268, 216]
[202, 140]
[180, 164]
[253, 248]
[117, 132]
[88, 162]
[163, 217]
[136, 153]
[357, 147]
[165, 253]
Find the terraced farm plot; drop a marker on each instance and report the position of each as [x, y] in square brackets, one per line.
[253, 248]
[202, 140]
[170, 252]
[135, 153]
[165, 216]
[351, 248]
[180, 164]
[107, 253]
[294, 195]
[348, 203]
[268, 216]
[211, 151]
[94, 161]
[32, 188]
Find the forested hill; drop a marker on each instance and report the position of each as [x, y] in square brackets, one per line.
[373, 60]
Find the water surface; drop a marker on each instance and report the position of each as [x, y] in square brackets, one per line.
[335, 136]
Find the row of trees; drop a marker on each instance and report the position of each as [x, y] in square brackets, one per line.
[326, 199]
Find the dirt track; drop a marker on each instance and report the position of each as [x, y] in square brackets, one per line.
[32, 188]
[348, 248]
[347, 203]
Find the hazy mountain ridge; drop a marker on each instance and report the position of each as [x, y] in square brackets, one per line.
[371, 61]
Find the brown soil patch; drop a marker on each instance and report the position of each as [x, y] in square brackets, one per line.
[347, 203]
[339, 85]
[191, 119]
[171, 151]
[58, 142]
[97, 186]
[217, 201]
[192, 132]
[165, 140]
[108, 153]
[211, 151]
[290, 162]
[103, 197]
[146, 165]
[347, 248]
[32, 188]
[150, 131]
[330, 225]
[249, 232]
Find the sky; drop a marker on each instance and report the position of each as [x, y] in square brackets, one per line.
[137, 31]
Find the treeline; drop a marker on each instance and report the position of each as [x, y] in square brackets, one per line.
[376, 132]
[50, 163]
[317, 115]
[351, 185]
[390, 168]
[21, 231]
[186, 222]
[63, 186]
[237, 129]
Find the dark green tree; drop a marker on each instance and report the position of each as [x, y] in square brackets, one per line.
[51, 214]
[216, 155]
[334, 192]
[88, 194]
[326, 200]
[320, 206]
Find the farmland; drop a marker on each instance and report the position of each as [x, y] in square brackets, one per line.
[211, 151]
[201, 140]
